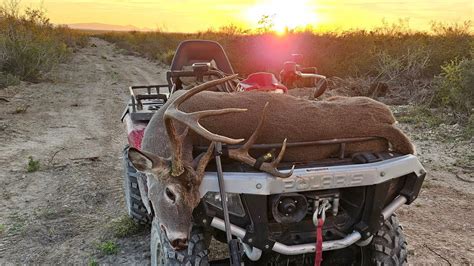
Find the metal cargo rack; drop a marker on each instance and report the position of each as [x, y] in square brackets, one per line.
[145, 100]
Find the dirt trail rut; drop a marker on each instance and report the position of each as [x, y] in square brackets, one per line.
[72, 126]
[60, 213]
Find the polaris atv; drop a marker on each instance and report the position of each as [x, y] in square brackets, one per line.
[340, 209]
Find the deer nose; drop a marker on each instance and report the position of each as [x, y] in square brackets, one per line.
[179, 243]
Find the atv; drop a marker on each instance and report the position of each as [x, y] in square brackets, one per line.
[338, 211]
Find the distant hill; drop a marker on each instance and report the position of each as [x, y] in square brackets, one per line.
[105, 27]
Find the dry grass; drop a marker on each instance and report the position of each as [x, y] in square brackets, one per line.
[390, 51]
[30, 46]
[391, 63]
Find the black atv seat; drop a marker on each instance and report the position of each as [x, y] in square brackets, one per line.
[195, 51]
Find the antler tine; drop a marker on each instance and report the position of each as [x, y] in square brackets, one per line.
[176, 142]
[281, 153]
[272, 167]
[201, 87]
[242, 154]
[191, 120]
[275, 172]
[205, 160]
[275, 162]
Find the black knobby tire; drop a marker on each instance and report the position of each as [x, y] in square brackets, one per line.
[135, 207]
[388, 246]
[195, 255]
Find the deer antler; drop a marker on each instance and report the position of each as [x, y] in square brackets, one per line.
[242, 154]
[191, 120]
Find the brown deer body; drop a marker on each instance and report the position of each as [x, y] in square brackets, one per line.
[173, 183]
[292, 118]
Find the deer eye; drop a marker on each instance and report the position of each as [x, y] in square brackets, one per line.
[170, 194]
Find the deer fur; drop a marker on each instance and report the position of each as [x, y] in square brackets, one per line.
[292, 118]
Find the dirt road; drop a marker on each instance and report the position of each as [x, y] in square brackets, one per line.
[72, 126]
[62, 213]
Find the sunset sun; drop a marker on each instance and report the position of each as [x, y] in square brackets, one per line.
[284, 14]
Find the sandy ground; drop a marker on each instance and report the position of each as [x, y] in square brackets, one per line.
[60, 213]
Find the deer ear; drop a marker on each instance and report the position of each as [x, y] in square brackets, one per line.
[144, 161]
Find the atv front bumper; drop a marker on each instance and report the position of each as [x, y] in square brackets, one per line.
[318, 178]
[353, 238]
[375, 178]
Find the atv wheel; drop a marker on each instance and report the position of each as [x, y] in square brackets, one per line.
[163, 254]
[135, 207]
[388, 246]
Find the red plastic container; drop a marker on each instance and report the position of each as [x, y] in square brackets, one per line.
[263, 81]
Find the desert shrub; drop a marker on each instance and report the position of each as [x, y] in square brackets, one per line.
[342, 54]
[421, 116]
[454, 86]
[30, 45]
[33, 165]
[469, 129]
[403, 68]
[7, 79]
[167, 57]
[153, 45]
[124, 227]
[448, 42]
[108, 247]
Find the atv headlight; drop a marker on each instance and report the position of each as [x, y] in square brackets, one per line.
[234, 203]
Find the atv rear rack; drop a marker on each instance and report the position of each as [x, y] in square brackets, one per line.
[145, 100]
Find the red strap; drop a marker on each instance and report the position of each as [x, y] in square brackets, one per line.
[318, 257]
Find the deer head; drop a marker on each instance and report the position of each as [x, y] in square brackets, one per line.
[173, 183]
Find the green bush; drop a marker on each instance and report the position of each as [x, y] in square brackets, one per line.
[421, 116]
[167, 57]
[7, 79]
[108, 247]
[33, 165]
[404, 67]
[469, 130]
[30, 45]
[454, 86]
[124, 227]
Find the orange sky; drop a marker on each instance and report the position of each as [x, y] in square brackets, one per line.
[193, 15]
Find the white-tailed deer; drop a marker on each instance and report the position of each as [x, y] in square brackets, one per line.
[174, 176]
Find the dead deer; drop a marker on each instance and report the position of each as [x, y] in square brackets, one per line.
[173, 183]
[174, 177]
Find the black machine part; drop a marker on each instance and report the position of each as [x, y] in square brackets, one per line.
[289, 208]
[359, 209]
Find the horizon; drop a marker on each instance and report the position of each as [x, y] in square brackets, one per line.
[188, 16]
